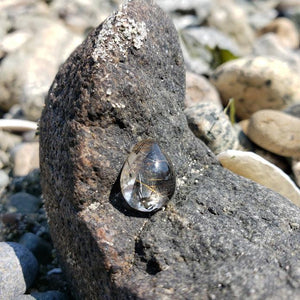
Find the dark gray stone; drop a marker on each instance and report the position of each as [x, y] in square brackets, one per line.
[39, 247]
[18, 269]
[24, 202]
[49, 295]
[220, 237]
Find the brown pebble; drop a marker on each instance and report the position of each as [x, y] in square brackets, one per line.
[275, 131]
[199, 89]
[285, 30]
[10, 219]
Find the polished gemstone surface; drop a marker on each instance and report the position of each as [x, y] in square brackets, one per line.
[147, 178]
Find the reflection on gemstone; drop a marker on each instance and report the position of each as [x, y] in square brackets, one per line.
[147, 178]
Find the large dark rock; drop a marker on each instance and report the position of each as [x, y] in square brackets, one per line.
[220, 237]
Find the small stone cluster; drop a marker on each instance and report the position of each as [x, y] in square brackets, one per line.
[262, 82]
[264, 91]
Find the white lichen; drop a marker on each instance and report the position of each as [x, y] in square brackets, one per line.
[93, 206]
[118, 33]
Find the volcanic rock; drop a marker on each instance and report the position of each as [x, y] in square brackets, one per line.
[221, 236]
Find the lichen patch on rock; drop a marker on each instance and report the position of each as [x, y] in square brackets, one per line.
[118, 33]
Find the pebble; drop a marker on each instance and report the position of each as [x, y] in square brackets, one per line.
[14, 40]
[296, 170]
[254, 167]
[284, 5]
[275, 131]
[285, 30]
[49, 295]
[29, 183]
[82, 15]
[18, 269]
[245, 143]
[24, 203]
[248, 145]
[38, 246]
[232, 20]
[8, 140]
[199, 89]
[269, 45]
[274, 159]
[18, 125]
[10, 219]
[198, 44]
[293, 110]
[201, 7]
[4, 180]
[257, 83]
[25, 158]
[212, 126]
[260, 14]
[4, 159]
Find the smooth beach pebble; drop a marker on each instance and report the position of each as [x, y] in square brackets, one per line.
[257, 83]
[285, 31]
[254, 167]
[18, 269]
[269, 45]
[199, 89]
[24, 203]
[38, 246]
[275, 131]
[25, 158]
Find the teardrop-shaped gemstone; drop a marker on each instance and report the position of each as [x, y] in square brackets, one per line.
[147, 178]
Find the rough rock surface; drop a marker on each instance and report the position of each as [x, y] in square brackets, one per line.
[221, 236]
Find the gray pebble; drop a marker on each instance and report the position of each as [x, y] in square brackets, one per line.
[212, 126]
[18, 269]
[293, 110]
[24, 203]
[39, 247]
[49, 295]
[24, 297]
